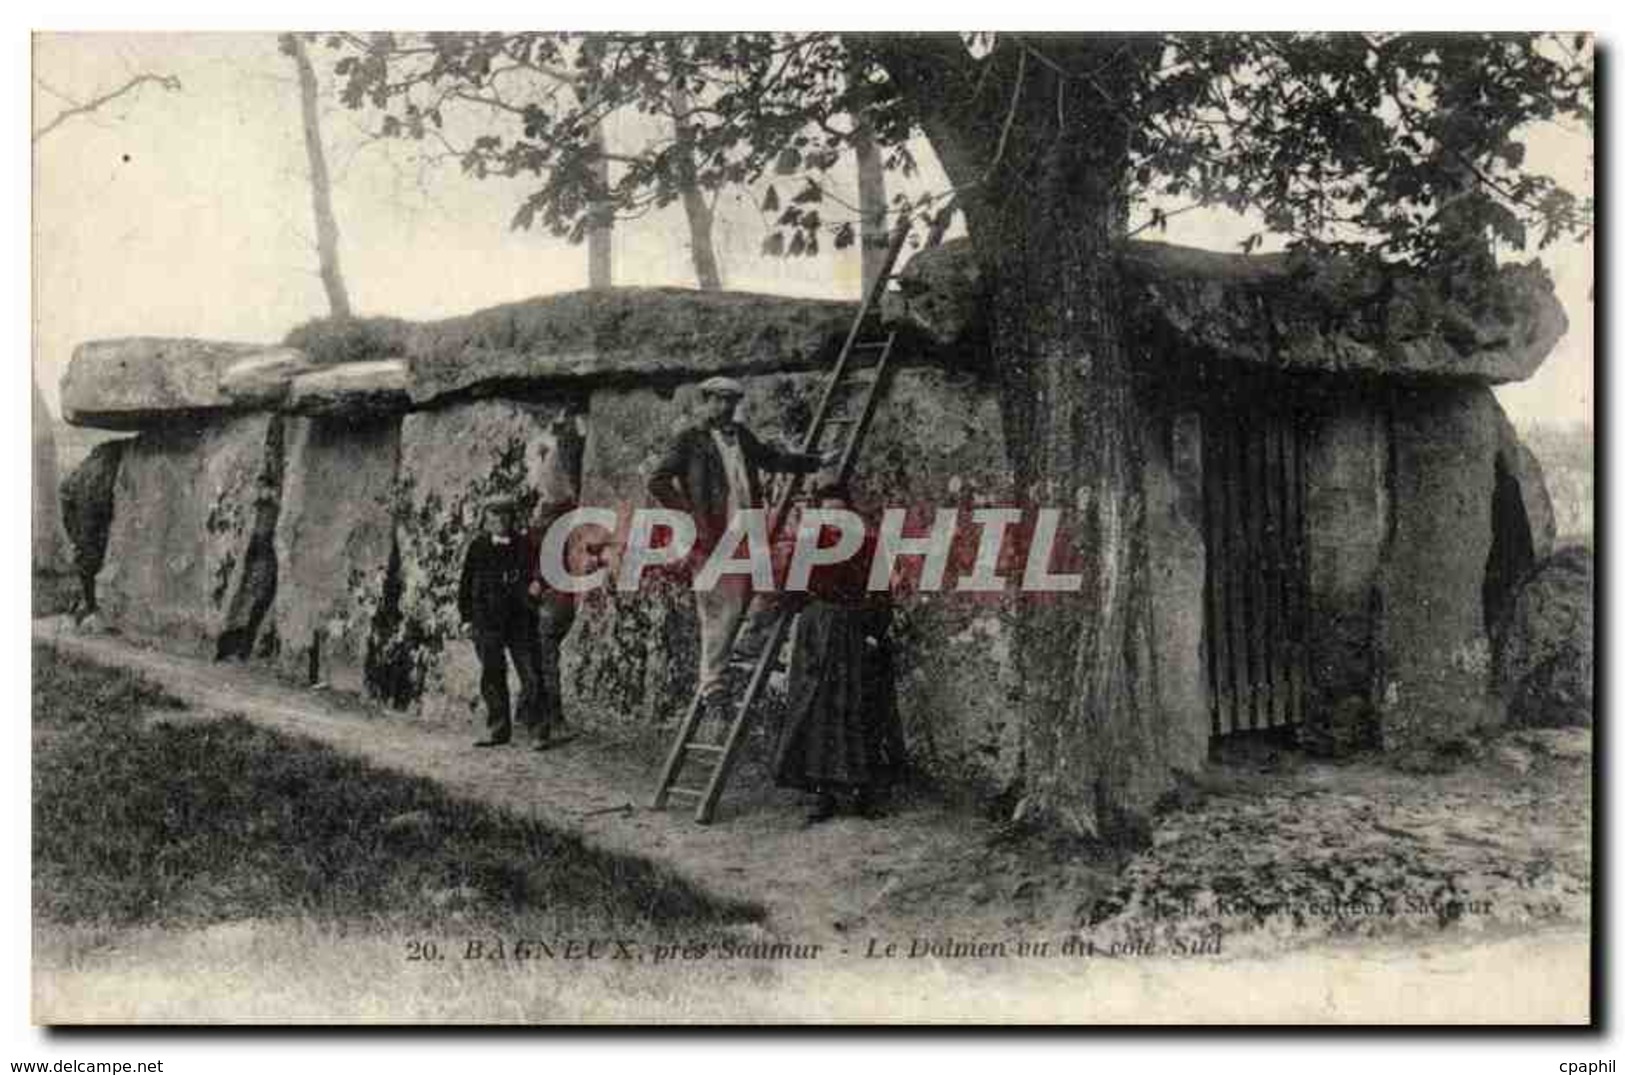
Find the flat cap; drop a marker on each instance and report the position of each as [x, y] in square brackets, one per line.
[722, 386]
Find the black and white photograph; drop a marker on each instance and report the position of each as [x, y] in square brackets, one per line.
[768, 527]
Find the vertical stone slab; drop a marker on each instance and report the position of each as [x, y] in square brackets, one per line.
[1533, 501]
[938, 442]
[87, 506]
[189, 557]
[1173, 504]
[51, 551]
[1347, 517]
[1546, 665]
[1436, 653]
[1524, 524]
[333, 542]
[451, 460]
[631, 658]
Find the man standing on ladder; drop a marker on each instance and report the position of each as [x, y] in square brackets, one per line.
[712, 470]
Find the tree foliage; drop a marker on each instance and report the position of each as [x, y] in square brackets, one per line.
[1387, 143]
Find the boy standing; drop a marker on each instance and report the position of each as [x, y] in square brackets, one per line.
[496, 598]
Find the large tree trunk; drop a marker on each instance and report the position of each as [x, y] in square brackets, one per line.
[1045, 210]
[321, 187]
[1095, 752]
[872, 230]
[701, 246]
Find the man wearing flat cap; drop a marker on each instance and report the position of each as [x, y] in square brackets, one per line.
[711, 470]
[497, 597]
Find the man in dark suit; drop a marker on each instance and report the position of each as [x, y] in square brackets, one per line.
[496, 597]
[711, 470]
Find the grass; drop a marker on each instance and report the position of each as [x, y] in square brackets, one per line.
[191, 869]
[141, 820]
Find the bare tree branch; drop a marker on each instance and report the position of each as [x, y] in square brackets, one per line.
[168, 82]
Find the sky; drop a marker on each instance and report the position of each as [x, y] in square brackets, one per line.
[188, 214]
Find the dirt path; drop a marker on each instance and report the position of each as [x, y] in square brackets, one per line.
[1275, 855]
[819, 881]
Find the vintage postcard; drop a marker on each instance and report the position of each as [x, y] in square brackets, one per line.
[812, 527]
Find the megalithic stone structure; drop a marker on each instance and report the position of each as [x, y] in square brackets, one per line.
[273, 505]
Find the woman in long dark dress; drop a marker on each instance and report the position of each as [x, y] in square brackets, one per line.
[841, 739]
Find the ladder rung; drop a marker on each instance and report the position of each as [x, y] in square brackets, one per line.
[850, 375]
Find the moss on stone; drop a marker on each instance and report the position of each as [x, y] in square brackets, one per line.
[327, 342]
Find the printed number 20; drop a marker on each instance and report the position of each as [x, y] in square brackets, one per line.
[421, 950]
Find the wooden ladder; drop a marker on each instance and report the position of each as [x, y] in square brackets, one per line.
[858, 375]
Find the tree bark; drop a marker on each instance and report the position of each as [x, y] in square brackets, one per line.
[702, 248]
[1044, 208]
[873, 235]
[1095, 753]
[601, 222]
[321, 187]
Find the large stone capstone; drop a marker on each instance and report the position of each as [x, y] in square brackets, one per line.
[261, 378]
[351, 390]
[623, 334]
[145, 381]
[190, 557]
[1326, 315]
[1286, 311]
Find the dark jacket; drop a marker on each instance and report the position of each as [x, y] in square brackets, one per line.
[690, 476]
[493, 591]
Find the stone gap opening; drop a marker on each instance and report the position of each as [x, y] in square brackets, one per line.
[1512, 547]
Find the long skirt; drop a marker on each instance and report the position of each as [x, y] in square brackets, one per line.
[841, 730]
